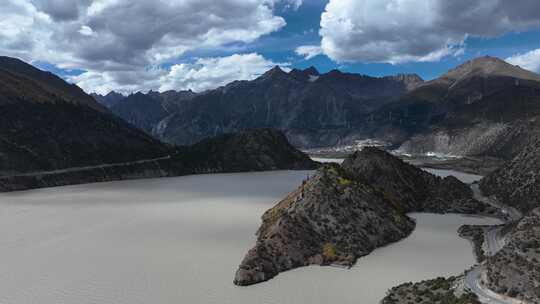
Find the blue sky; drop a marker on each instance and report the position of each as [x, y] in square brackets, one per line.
[202, 44]
[303, 29]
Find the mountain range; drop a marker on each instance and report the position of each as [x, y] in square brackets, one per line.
[484, 107]
[145, 111]
[312, 109]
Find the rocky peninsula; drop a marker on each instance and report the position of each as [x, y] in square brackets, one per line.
[345, 212]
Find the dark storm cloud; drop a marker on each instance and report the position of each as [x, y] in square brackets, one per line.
[61, 10]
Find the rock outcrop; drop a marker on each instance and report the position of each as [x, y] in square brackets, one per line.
[345, 212]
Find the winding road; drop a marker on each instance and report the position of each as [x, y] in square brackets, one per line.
[494, 243]
[75, 169]
[512, 213]
[473, 280]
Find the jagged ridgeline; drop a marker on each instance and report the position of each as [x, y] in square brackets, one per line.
[344, 212]
[311, 108]
[484, 107]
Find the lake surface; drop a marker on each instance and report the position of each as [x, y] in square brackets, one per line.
[180, 240]
[464, 177]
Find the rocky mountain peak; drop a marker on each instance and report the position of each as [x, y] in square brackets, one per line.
[311, 71]
[275, 72]
[310, 74]
[411, 81]
[114, 94]
[334, 72]
[112, 98]
[489, 66]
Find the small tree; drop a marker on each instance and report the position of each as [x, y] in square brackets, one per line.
[329, 251]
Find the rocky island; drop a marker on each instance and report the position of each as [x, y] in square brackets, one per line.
[344, 212]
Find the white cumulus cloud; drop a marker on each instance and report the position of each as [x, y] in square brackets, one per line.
[203, 74]
[209, 73]
[122, 41]
[529, 60]
[309, 51]
[294, 4]
[397, 31]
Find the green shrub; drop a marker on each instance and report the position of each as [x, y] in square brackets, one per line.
[329, 251]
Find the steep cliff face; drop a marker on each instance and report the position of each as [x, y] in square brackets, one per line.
[517, 184]
[344, 212]
[515, 270]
